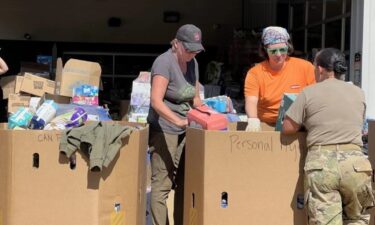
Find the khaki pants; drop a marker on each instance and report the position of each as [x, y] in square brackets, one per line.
[338, 185]
[167, 168]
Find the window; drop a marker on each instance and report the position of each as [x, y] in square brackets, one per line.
[315, 11]
[333, 34]
[327, 24]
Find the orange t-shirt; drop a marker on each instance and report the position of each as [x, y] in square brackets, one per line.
[269, 86]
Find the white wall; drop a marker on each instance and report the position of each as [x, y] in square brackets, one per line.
[86, 20]
[368, 56]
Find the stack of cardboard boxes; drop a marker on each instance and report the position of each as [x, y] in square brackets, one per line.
[19, 89]
[39, 186]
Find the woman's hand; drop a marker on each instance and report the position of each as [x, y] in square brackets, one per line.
[182, 123]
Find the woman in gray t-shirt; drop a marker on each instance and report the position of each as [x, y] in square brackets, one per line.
[174, 91]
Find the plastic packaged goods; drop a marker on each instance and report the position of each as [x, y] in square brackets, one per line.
[86, 95]
[96, 113]
[73, 118]
[21, 118]
[45, 113]
[222, 104]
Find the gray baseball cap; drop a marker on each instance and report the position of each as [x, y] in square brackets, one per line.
[191, 37]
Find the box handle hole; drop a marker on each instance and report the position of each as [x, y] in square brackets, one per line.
[224, 200]
[300, 201]
[193, 200]
[72, 162]
[36, 160]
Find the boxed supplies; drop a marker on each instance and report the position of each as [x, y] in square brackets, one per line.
[39, 186]
[206, 118]
[286, 102]
[140, 98]
[15, 101]
[237, 177]
[85, 94]
[37, 85]
[74, 73]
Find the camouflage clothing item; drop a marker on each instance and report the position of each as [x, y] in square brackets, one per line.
[338, 187]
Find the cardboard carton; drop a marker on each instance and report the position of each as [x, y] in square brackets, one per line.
[286, 102]
[39, 186]
[37, 85]
[371, 156]
[10, 85]
[76, 72]
[237, 177]
[15, 101]
[19, 80]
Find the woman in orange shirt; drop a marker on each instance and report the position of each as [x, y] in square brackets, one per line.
[279, 73]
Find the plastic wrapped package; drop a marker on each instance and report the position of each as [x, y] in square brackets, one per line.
[94, 113]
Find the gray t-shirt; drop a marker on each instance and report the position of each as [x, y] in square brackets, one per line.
[332, 111]
[180, 90]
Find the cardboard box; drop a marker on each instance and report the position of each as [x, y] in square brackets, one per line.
[371, 156]
[58, 98]
[15, 101]
[37, 185]
[286, 102]
[259, 174]
[36, 85]
[76, 72]
[10, 85]
[19, 80]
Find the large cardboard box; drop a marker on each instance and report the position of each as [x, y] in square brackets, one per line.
[10, 85]
[15, 101]
[38, 186]
[371, 155]
[37, 85]
[236, 177]
[76, 72]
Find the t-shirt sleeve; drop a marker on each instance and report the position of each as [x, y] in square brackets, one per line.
[251, 87]
[160, 67]
[296, 111]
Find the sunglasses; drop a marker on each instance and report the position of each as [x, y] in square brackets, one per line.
[274, 51]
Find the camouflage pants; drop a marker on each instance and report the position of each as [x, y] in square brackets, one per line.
[338, 185]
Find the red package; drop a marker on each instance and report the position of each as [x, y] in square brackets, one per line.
[206, 118]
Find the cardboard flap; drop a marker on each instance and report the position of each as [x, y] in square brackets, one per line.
[82, 68]
[76, 72]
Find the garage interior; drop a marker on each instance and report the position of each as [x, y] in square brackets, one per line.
[126, 36]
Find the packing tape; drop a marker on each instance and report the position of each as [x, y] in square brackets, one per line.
[117, 218]
[1, 217]
[193, 216]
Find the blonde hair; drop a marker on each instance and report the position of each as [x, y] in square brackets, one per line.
[174, 44]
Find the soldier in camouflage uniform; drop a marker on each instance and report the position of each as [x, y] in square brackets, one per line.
[337, 173]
